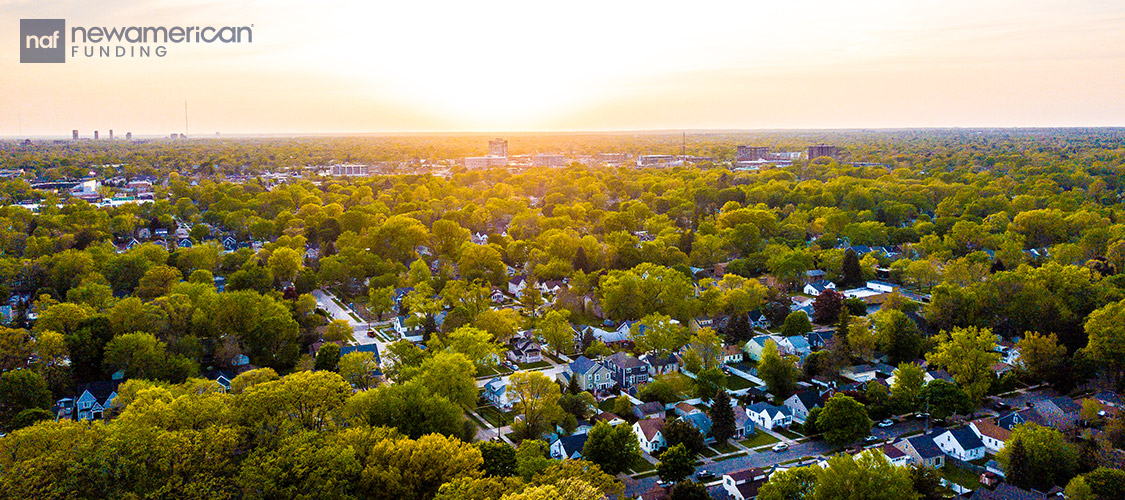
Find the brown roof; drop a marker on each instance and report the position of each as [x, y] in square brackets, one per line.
[651, 426]
[987, 428]
[685, 407]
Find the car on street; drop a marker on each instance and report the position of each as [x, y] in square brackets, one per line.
[921, 416]
[664, 484]
[886, 423]
[1000, 405]
[780, 447]
[870, 439]
[371, 334]
[704, 475]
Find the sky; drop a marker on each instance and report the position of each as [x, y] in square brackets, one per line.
[336, 66]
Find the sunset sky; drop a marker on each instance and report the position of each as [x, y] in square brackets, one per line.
[332, 66]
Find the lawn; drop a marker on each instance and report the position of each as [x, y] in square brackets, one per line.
[533, 366]
[728, 457]
[474, 418]
[963, 477]
[552, 357]
[790, 434]
[607, 405]
[759, 439]
[735, 383]
[647, 474]
[709, 453]
[492, 415]
[724, 448]
[643, 466]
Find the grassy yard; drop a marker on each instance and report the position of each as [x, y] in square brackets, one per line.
[728, 457]
[735, 383]
[476, 420]
[552, 357]
[790, 434]
[647, 474]
[493, 416]
[607, 405]
[532, 366]
[963, 477]
[724, 448]
[759, 439]
[709, 453]
[643, 466]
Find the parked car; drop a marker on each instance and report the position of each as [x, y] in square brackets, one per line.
[1000, 405]
[665, 484]
[886, 423]
[371, 334]
[870, 439]
[704, 475]
[780, 447]
[921, 416]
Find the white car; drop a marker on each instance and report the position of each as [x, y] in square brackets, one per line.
[886, 423]
[780, 447]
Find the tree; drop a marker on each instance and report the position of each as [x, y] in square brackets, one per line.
[339, 331]
[328, 357]
[577, 404]
[21, 390]
[907, 388]
[708, 382]
[1050, 459]
[285, 262]
[680, 432]
[707, 347]
[532, 458]
[968, 354]
[499, 458]
[537, 399]
[676, 464]
[927, 483]
[358, 369]
[843, 420]
[1040, 355]
[1105, 483]
[826, 306]
[408, 407]
[614, 449]
[897, 335]
[140, 355]
[475, 344]
[850, 271]
[689, 490]
[722, 418]
[1105, 329]
[450, 375]
[789, 484]
[158, 281]
[868, 475]
[796, 323]
[658, 334]
[482, 262]
[943, 399]
[381, 300]
[554, 330]
[779, 374]
[250, 378]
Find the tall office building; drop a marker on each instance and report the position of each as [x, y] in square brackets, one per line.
[818, 150]
[111, 134]
[128, 136]
[751, 153]
[498, 147]
[74, 134]
[95, 135]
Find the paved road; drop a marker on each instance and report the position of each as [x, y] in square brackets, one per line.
[359, 327]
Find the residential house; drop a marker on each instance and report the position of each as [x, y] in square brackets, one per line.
[495, 391]
[732, 354]
[895, 456]
[922, 450]
[744, 484]
[961, 443]
[649, 434]
[516, 285]
[1005, 491]
[859, 373]
[700, 421]
[882, 286]
[609, 418]
[756, 345]
[993, 436]
[524, 351]
[627, 371]
[1010, 420]
[568, 446]
[591, 376]
[818, 287]
[770, 416]
[818, 339]
[801, 403]
[683, 408]
[758, 319]
[660, 366]
[743, 425]
[701, 322]
[405, 330]
[91, 402]
[221, 377]
[652, 409]
[1059, 412]
[796, 345]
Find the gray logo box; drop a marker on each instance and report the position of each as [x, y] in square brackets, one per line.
[42, 40]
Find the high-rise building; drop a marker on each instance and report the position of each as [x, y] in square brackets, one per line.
[74, 134]
[751, 153]
[111, 134]
[349, 170]
[548, 160]
[95, 135]
[818, 150]
[128, 136]
[498, 147]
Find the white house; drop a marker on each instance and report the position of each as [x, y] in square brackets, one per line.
[744, 484]
[818, 287]
[859, 373]
[649, 434]
[895, 456]
[496, 392]
[568, 446]
[960, 443]
[881, 286]
[770, 416]
[803, 402]
[755, 346]
[516, 285]
[992, 435]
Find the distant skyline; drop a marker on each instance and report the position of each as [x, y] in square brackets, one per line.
[339, 66]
